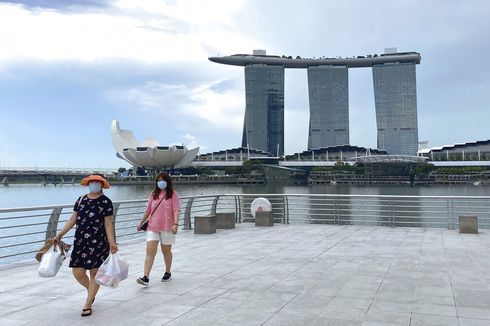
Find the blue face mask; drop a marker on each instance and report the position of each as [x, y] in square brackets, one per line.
[95, 187]
[162, 184]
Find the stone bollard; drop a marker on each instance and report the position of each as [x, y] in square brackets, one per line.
[225, 220]
[468, 224]
[264, 218]
[205, 224]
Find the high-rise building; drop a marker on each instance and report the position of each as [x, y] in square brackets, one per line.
[328, 89]
[394, 90]
[263, 128]
[395, 96]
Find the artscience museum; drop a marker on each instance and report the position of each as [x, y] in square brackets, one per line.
[150, 154]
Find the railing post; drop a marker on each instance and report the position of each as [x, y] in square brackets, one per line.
[453, 218]
[215, 204]
[187, 215]
[52, 227]
[239, 210]
[286, 210]
[392, 216]
[448, 218]
[392, 206]
[236, 210]
[115, 208]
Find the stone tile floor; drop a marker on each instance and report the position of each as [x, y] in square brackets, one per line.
[283, 275]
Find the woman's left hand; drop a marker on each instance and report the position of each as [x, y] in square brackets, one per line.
[114, 248]
[175, 228]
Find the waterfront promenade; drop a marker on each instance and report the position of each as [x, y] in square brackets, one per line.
[301, 274]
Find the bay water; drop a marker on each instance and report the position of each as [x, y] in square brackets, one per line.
[38, 195]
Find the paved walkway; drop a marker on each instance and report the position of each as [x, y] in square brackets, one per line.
[284, 275]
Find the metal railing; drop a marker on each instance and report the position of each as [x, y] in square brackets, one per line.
[24, 229]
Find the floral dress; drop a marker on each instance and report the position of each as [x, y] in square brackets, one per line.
[90, 246]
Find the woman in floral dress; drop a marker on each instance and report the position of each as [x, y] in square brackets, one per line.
[94, 236]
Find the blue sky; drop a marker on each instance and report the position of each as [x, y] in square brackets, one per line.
[68, 68]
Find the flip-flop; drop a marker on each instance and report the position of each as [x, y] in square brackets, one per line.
[84, 314]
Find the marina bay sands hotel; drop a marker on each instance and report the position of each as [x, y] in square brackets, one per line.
[395, 98]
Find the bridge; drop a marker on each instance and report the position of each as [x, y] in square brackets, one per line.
[50, 174]
[6, 171]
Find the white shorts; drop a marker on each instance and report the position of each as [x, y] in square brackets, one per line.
[165, 238]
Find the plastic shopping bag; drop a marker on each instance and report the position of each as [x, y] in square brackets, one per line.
[51, 262]
[112, 271]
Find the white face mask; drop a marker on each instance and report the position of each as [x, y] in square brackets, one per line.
[94, 187]
[162, 184]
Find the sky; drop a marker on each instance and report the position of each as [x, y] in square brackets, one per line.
[68, 68]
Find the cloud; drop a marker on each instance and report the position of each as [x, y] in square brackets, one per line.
[65, 5]
[149, 31]
[191, 142]
[188, 107]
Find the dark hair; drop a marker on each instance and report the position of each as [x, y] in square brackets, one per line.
[170, 188]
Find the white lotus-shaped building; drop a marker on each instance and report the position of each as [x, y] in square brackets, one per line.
[149, 154]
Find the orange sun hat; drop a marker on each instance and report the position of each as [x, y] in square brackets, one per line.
[94, 177]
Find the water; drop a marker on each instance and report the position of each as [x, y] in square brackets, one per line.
[38, 195]
[31, 236]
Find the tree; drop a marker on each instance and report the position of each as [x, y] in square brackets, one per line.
[424, 169]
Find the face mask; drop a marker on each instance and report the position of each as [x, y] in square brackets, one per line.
[95, 187]
[162, 184]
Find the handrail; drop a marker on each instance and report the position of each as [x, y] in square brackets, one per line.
[24, 229]
[31, 208]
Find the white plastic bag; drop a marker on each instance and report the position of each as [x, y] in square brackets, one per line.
[51, 262]
[112, 271]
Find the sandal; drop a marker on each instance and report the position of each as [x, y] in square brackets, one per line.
[86, 312]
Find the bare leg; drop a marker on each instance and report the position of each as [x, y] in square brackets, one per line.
[167, 257]
[93, 288]
[81, 276]
[151, 251]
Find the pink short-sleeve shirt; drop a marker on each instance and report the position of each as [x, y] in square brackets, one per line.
[162, 218]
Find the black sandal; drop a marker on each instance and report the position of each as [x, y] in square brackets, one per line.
[86, 314]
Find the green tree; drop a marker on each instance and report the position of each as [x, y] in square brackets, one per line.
[424, 169]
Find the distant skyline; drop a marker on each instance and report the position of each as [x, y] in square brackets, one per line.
[68, 68]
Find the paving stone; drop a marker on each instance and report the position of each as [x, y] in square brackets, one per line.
[285, 275]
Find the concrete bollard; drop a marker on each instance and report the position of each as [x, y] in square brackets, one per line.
[468, 224]
[264, 218]
[225, 220]
[205, 224]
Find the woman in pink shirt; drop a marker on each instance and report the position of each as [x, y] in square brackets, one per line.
[162, 213]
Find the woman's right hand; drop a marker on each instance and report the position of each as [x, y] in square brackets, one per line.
[138, 227]
[56, 239]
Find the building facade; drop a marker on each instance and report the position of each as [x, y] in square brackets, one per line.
[328, 90]
[469, 151]
[395, 96]
[263, 127]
